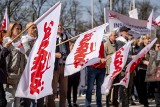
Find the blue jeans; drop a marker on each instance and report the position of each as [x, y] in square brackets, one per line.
[92, 75]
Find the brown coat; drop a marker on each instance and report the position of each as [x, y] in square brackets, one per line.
[109, 49]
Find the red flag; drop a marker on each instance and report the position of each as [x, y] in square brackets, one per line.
[5, 21]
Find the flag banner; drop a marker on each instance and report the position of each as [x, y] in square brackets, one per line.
[158, 20]
[133, 13]
[85, 51]
[5, 21]
[119, 59]
[150, 19]
[133, 64]
[117, 20]
[153, 70]
[19, 46]
[36, 80]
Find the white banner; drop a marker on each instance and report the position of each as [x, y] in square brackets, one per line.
[117, 20]
[85, 51]
[119, 59]
[36, 80]
[5, 21]
[133, 64]
[150, 20]
[133, 13]
[158, 20]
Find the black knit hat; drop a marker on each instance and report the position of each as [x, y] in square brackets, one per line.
[124, 28]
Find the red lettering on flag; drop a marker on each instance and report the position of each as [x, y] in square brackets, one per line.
[118, 62]
[112, 15]
[134, 64]
[20, 44]
[40, 63]
[81, 51]
[3, 27]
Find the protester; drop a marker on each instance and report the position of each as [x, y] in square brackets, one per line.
[96, 72]
[73, 82]
[83, 82]
[130, 37]
[157, 83]
[62, 52]
[121, 41]
[132, 53]
[4, 51]
[140, 83]
[2, 34]
[110, 47]
[15, 61]
[28, 42]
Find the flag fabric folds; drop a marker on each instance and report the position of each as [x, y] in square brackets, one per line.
[132, 65]
[5, 21]
[119, 59]
[85, 51]
[37, 77]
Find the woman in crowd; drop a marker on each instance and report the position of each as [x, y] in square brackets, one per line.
[4, 51]
[2, 34]
[73, 82]
[157, 83]
[140, 83]
[15, 60]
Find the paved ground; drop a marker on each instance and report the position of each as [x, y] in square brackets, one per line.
[81, 102]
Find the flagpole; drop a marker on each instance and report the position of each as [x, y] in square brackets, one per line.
[134, 4]
[110, 4]
[68, 40]
[21, 33]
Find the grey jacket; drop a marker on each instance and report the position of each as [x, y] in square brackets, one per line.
[15, 60]
[3, 72]
[28, 43]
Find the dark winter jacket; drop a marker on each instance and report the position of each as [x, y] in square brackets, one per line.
[63, 38]
[3, 72]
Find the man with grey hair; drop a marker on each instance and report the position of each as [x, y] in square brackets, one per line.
[28, 42]
[121, 41]
[110, 47]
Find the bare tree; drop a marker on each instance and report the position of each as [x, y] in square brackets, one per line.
[37, 8]
[98, 13]
[144, 9]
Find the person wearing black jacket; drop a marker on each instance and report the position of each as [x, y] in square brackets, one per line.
[121, 41]
[61, 54]
[139, 79]
[3, 73]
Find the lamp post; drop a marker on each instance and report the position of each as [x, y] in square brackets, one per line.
[92, 13]
[134, 4]
[111, 4]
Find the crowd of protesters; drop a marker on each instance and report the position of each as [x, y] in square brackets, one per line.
[13, 60]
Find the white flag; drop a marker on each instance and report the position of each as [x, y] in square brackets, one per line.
[117, 20]
[119, 59]
[36, 80]
[132, 65]
[158, 20]
[5, 21]
[150, 19]
[133, 13]
[85, 51]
